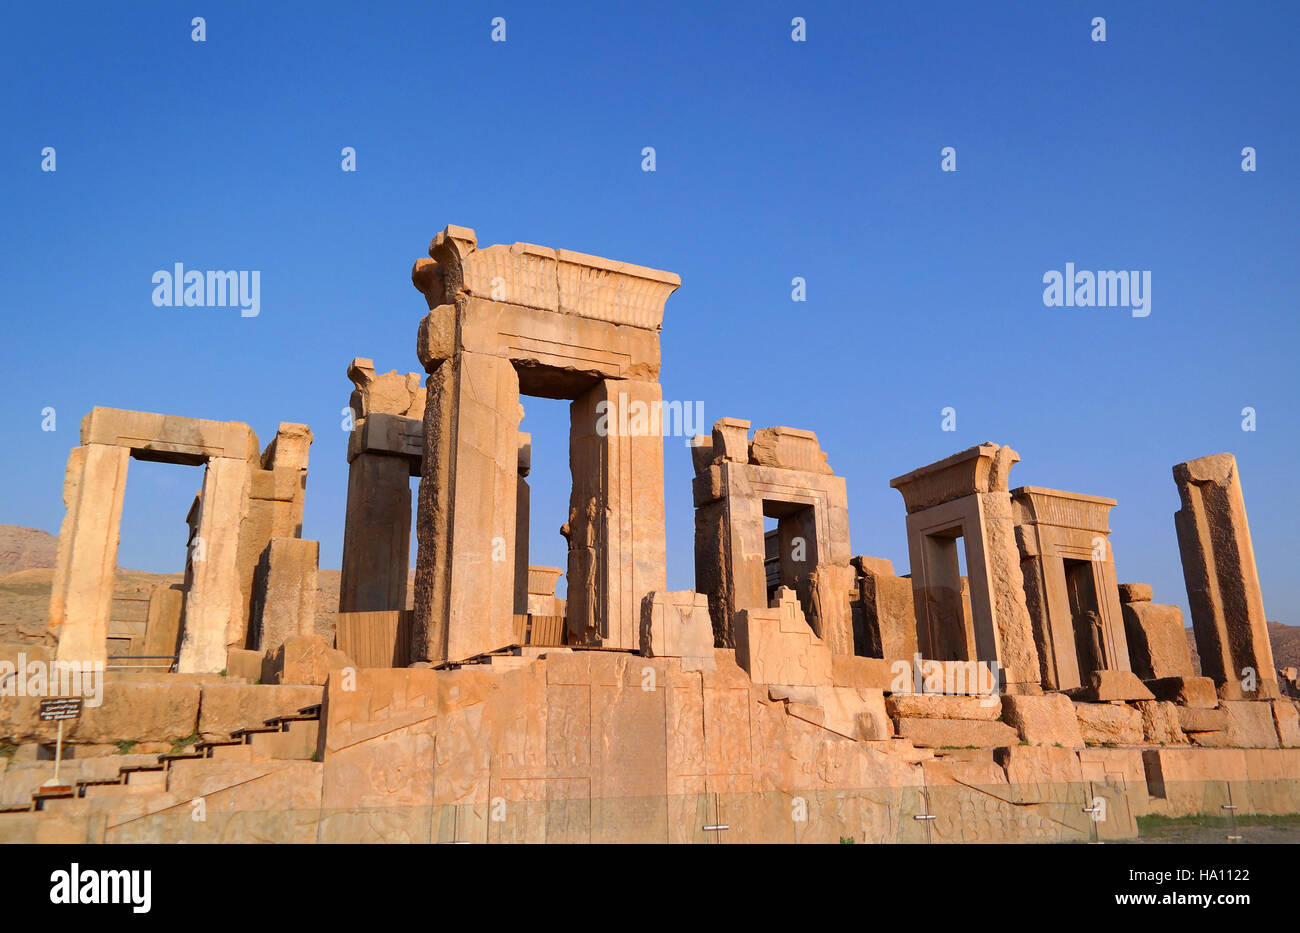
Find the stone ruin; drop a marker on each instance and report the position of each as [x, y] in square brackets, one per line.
[794, 668]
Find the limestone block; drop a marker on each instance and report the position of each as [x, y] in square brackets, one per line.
[223, 708]
[1160, 723]
[1157, 640]
[731, 440]
[980, 469]
[777, 646]
[855, 712]
[1185, 691]
[934, 706]
[376, 534]
[304, 659]
[1219, 569]
[169, 438]
[216, 604]
[244, 665]
[289, 449]
[1194, 719]
[81, 592]
[832, 617]
[390, 393]
[1043, 720]
[1037, 773]
[788, 449]
[888, 611]
[163, 629]
[851, 671]
[1251, 724]
[285, 601]
[956, 733]
[1107, 685]
[1107, 723]
[677, 625]
[1287, 719]
[1135, 593]
[141, 712]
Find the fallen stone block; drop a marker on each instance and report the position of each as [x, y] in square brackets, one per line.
[1109, 724]
[304, 659]
[956, 733]
[1043, 720]
[244, 664]
[147, 712]
[850, 671]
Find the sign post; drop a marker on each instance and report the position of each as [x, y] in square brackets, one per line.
[59, 710]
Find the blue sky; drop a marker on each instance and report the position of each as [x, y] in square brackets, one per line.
[775, 159]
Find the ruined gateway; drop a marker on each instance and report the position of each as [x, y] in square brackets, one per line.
[799, 694]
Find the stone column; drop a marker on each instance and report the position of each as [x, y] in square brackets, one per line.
[216, 602]
[468, 493]
[377, 534]
[1219, 570]
[81, 596]
[617, 548]
[523, 508]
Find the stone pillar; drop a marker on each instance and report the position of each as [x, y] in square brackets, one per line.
[377, 534]
[162, 631]
[81, 596]
[285, 605]
[216, 604]
[468, 492]
[523, 508]
[1222, 582]
[617, 548]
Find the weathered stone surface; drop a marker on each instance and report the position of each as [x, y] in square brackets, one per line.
[144, 712]
[1196, 719]
[82, 590]
[1219, 569]
[1136, 593]
[285, 599]
[1043, 720]
[788, 449]
[933, 706]
[216, 603]
[169, 438]
[1160, 724]
[223, 708]
[244, 665]
[1157, 640]
[777, 646]
[376, 534]
[1109, 724]
[542, 582]
[887, 625]
[1185, 691]
[304, 659]
[677, 625]
[1287, 720]
[1105, 686]
[1250, 724]
[956, 733]
[850, 671]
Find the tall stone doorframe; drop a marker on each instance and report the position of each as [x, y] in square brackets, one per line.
[965, 496]
[247, 501]
[1070, 585]
[1222, 581]
[519, 320]
[782, 474]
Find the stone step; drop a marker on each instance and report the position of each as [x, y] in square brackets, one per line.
[297, 742]
[118, 790]
[152, 778]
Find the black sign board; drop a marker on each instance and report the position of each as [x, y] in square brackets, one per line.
[61, 708]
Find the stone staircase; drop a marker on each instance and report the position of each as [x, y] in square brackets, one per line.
[292, 737]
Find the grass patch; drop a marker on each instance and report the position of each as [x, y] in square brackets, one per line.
[8, 751]
[124, 747]
[1155, 823]
[181, 747]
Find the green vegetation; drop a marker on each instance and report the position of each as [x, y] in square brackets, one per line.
[124, 747]
[181, 747]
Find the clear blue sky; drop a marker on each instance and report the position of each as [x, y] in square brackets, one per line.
[775, 159]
